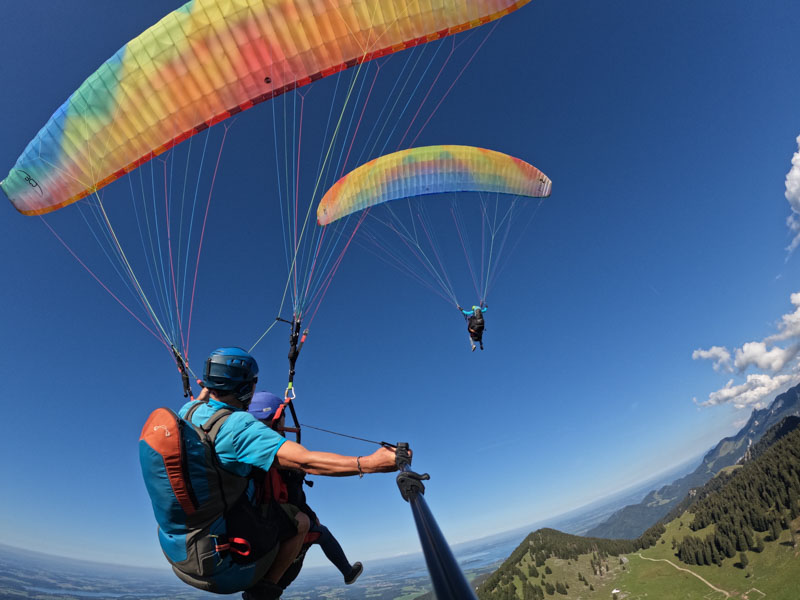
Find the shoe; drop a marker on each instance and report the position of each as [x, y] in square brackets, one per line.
[354, 573]
[473, 347]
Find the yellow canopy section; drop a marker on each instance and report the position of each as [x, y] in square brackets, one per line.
[431, 170]
[204, 62]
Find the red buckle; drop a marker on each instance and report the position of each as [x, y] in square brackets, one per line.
[245, 546]
[231, 546]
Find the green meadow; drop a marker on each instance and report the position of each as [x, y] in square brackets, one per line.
[657, 573]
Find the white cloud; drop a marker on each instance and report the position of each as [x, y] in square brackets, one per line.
[759, 388]
[756, 354]
[793, 196]
[718, 354]
[789, 325]
[756, 392]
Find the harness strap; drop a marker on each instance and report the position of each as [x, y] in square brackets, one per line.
[190, 412]
[234, 545]
[210, 429]
[215, 421]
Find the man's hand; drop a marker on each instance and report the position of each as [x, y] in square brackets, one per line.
[383, 460]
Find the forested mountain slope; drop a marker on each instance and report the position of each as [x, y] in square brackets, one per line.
[634, 519]
[736, 534]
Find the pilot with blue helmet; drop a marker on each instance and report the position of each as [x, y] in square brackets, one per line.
[243, 445]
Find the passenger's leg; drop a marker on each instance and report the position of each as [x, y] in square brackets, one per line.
[289, 550]
[333, 550]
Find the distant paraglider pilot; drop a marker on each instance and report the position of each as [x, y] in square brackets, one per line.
[475, 323]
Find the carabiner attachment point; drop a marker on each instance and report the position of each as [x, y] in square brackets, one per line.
[187, 388]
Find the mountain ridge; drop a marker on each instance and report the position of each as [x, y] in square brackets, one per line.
[718, 531]
[632, 520]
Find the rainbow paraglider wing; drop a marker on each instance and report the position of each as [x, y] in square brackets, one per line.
[204, 62]
[430, 170]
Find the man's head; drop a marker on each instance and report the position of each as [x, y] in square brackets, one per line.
[267, 408]
[231, 372]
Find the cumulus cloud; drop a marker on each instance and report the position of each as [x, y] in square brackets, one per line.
[779, 365]
[793, 196]
[718, 354]
[756, 392]
[789, 325]
[756, 354]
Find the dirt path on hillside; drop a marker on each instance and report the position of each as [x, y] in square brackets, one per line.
[713, 587]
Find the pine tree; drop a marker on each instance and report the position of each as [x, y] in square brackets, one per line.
[741, 543]
[775, 529]
[706, 555]
[743, 560]
[528, 593]
[716, 558]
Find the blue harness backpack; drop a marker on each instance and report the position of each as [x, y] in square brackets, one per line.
[190, 491]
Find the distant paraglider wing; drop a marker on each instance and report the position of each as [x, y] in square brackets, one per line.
[430, 170]
[205, 62]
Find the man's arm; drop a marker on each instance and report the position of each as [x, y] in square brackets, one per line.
[294, 456]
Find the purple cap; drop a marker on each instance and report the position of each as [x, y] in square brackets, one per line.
[263, 405]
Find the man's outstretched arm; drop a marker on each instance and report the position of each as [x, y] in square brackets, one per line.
[294, 456]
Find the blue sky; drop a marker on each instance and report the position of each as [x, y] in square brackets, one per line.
[646, 311]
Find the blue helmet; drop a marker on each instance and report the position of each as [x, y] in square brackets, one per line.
[264, 406]
[230, 370]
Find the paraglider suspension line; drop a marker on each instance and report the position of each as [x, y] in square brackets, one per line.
[352, 437]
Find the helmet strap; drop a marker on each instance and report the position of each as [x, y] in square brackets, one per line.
[246, 397]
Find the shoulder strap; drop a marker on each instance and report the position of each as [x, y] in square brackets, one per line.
[214, 423]
[209, 431]
[190, 412]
